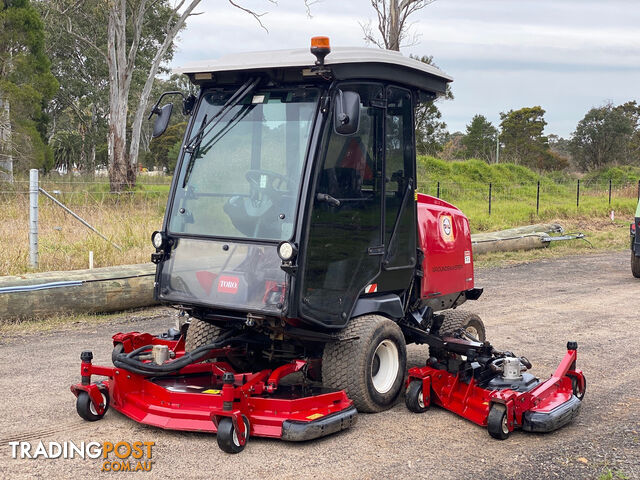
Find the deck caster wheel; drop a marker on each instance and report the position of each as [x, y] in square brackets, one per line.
[228, 437]
[415, 399]
[575, 385]
[497, 422]
[86, 409]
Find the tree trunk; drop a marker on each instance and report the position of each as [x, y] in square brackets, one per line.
[394, 26]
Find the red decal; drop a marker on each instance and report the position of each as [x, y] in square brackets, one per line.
[228, 284]
[372, 288]
[206, 280]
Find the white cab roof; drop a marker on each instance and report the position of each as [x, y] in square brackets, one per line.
[302, 57]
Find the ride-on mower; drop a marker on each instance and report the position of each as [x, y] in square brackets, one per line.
[294, 241]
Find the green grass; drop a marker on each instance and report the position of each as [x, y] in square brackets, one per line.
[514, 189]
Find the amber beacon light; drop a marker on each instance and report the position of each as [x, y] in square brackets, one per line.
[320, 47]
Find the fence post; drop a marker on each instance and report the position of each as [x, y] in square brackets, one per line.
[490, 198]
[609, 191]
[438, 193]
[578, 195]
[538, 199]
[33, 217]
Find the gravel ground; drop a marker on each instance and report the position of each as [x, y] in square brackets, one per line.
[531, 309]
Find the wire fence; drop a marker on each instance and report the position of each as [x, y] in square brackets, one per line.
[486, 196]
[539, 195]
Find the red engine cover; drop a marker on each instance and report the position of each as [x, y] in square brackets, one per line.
[445, 239]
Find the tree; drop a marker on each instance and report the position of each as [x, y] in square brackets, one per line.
[480, 139]
[601, 137]
[26, 85]
[523, 139]
[132, 38]
[392, 22]
[392, 29]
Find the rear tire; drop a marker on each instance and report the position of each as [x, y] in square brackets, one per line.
[635, 265]
[456, 319]
[368, 362]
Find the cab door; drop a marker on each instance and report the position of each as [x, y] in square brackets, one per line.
[345, 245]
[399, 192]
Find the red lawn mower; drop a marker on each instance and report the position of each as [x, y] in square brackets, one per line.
[295, 245]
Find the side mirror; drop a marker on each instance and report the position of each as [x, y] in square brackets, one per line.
[346, 110]
[161, 123]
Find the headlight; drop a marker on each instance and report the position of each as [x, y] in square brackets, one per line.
[286, 251]
[157, 239]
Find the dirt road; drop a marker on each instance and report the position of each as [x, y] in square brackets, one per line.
[531, 309]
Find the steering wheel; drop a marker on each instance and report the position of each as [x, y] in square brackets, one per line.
[267, 180]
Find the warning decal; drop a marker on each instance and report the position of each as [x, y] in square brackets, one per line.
[446, 228]
[467, 257]
[371, 288]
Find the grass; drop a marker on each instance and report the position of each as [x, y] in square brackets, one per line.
[514, 189]
[128, 219]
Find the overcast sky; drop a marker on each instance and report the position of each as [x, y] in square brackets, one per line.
[565, 55]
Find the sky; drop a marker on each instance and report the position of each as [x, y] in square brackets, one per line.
[564, 55]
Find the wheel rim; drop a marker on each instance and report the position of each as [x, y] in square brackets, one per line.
[505, 427]
[473, 331]
[234, 434]
[92, 408]
[420, 399]
[388, 363]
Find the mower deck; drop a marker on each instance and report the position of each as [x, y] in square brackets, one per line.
[202, 396]
[502, 405]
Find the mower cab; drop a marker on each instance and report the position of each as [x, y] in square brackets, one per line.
[293, 215]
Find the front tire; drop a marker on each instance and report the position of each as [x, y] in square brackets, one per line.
[227, 436]
[497, 422]
[202, 333]
[368, 362]
[635, 265]
[415, 398]
[86, 409]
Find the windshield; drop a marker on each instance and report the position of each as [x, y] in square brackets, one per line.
[242, 178]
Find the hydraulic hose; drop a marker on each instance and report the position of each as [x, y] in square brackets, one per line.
[128, 362]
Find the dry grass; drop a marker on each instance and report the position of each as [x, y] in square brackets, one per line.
[64, 243]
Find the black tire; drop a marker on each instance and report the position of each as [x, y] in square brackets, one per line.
[202, 333]
[635, 265]
[414, 398]
[576, 388]
[363, 362]
[497, 422]
[85, 407]
[456, 319]
[227, 437]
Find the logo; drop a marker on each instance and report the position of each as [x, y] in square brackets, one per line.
[227, 284]
[446, 228]
[113, 457]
